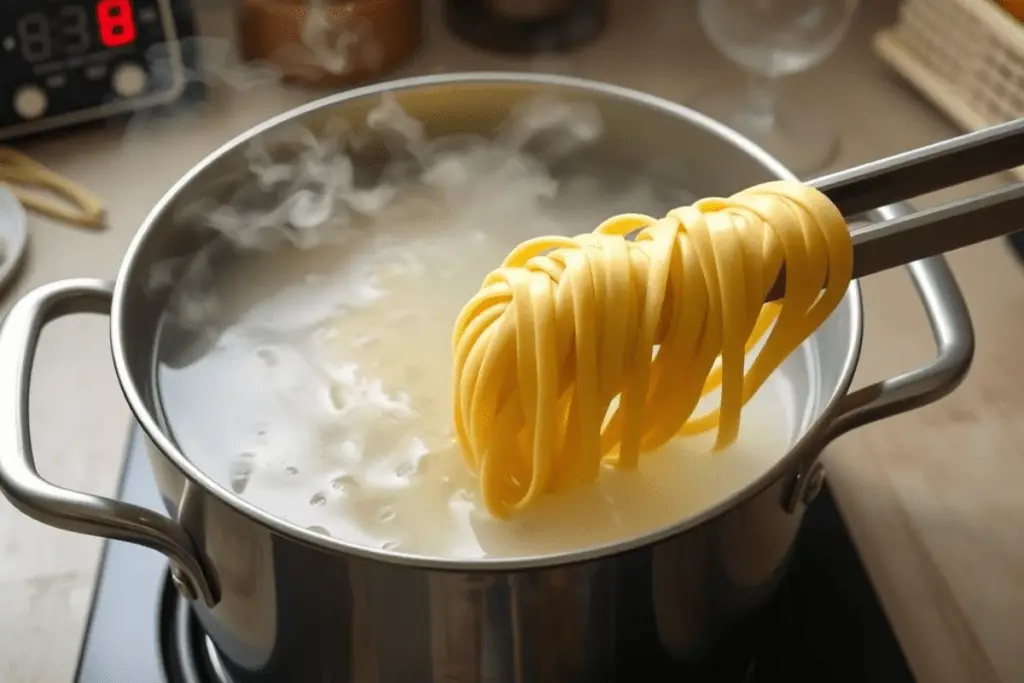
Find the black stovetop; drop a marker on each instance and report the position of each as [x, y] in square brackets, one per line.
[826, 625]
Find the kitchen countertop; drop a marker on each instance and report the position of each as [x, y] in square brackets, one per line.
[933, 497]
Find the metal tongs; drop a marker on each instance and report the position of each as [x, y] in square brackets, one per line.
[960, 223]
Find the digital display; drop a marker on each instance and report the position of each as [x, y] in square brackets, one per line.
[65, 62]
[116, 22]
[75, 29]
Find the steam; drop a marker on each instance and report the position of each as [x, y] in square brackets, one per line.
[311, 195]
[308, 189]
[305, 189]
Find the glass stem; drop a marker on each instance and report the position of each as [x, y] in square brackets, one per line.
[762, 95]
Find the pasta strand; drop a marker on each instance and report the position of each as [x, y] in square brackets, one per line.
[578, 351]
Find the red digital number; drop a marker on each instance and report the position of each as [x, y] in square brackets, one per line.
[117, 24]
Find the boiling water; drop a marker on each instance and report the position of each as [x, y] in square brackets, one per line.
[325, 397]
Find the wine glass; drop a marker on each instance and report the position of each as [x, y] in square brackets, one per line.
[771, 39]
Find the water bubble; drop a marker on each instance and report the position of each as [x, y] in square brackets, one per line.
[318, 500]
[386, 514]
[240, 473]
[427, 462]
[269, 357]
[291, 471]
[344, 483]
[319, 530]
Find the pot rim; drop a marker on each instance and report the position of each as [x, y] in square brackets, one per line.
[805, 445]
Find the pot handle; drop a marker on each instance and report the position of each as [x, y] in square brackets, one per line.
[54, 505]
[951, 327]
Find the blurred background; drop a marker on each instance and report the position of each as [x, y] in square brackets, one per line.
[777, 70]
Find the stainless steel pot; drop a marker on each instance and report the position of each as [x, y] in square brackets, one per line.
[284, 603]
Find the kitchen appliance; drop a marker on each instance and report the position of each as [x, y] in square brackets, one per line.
[824, 626]
[282, 602]
[68, 62]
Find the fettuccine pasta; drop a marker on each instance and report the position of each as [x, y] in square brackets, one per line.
[582, 350]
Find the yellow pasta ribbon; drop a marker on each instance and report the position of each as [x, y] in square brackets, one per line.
[567, 326]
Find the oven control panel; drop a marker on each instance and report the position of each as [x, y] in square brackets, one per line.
[65, 62]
